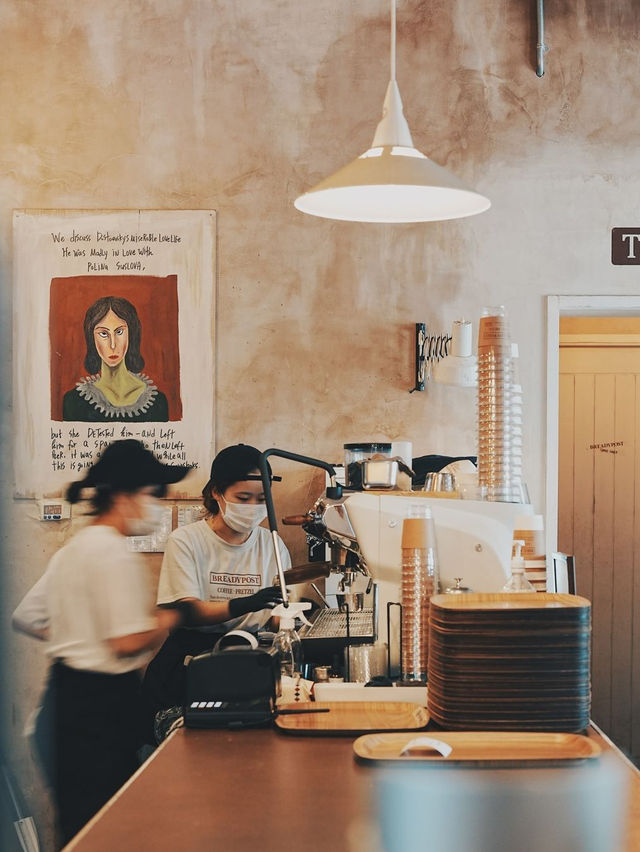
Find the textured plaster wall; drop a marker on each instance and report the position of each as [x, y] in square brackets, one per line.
[239, 106]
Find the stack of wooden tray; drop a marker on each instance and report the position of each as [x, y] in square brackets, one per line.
[510, 662]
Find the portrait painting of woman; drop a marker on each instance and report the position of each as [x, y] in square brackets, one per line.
[116, 388]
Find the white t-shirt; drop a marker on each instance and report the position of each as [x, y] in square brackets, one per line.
[199, 564]
[94, 589]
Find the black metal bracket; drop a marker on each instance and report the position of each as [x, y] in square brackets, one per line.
[429, 348]
[266, 477]
[390, 605]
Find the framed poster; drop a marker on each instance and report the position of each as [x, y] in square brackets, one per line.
[114, 322]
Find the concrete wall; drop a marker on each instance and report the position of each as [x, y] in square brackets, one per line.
[238, 107]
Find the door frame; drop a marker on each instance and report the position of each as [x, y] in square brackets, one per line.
[557, 306]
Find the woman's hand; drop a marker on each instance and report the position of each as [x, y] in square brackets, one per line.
[191, 612]
[169, 619]
[264, 599]
[134, 643]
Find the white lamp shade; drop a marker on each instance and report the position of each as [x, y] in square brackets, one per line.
[388, 185]
[392, 181]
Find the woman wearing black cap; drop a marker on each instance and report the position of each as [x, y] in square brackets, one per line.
[226, 561]
[95, 606]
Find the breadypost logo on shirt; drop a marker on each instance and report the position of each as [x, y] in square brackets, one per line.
[233, 585]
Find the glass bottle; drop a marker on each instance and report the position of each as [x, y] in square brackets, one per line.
[286, 643]
[518, 582]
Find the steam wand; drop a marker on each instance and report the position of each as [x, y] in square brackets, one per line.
[334, 491]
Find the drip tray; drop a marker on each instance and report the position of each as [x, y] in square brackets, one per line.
[332, 624]
[328, 633]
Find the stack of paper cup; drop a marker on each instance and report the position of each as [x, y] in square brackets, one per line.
[419, 583]
[530, 529]
[516, 443]
[495, 416]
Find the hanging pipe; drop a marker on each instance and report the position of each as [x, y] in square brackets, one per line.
[541, 47]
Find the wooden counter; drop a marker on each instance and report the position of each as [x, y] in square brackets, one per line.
[251, 790]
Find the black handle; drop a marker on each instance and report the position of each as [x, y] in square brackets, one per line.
[296, 712]
[266, 484]
[266, 479]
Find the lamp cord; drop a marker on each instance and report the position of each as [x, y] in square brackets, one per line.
[393, 40]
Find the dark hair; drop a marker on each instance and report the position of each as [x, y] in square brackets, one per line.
[124, 467]
[231, 465]
[103, 495]
[123, 309]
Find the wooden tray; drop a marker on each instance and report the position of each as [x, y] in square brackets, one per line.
[502, 601]
[353, 717]
[485, 748]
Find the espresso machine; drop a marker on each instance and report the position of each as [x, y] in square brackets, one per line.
[362, 529]
[354, 618]
[350, 597]
[474, 539]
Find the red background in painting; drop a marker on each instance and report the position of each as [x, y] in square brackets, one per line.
[156, 301]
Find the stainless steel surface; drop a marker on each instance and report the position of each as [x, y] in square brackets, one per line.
[332, 624]
[393, 473]
[321, 674]
[354, 602]
[331, 523]
[364, 662]
[320, 595]
[541, 47]
[379, 473]
[458, 589]
[357, 453]
[442, 481]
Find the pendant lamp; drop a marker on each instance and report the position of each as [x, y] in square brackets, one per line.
[392, 181]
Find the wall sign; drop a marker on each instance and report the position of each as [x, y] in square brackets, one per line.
[625, 246]
[113, 338]
[608, 447]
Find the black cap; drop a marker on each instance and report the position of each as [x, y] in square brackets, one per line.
[235, 464]
[129, 465]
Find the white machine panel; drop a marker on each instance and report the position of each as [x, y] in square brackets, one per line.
[474, 539]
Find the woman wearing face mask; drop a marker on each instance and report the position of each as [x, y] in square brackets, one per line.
[226, 561]
[95, 607]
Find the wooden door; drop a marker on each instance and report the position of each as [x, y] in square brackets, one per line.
[599, 514]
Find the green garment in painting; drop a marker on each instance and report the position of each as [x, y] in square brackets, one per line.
[87, 403]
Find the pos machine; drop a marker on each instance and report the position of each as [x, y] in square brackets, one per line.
[232, 687]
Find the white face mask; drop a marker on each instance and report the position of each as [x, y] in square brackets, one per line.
[243, 517]
[150, 520]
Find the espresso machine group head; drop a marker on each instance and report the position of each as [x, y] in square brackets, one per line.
[328, 521]
[352, 621]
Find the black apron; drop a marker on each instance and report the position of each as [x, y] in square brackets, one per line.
[88, 732]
